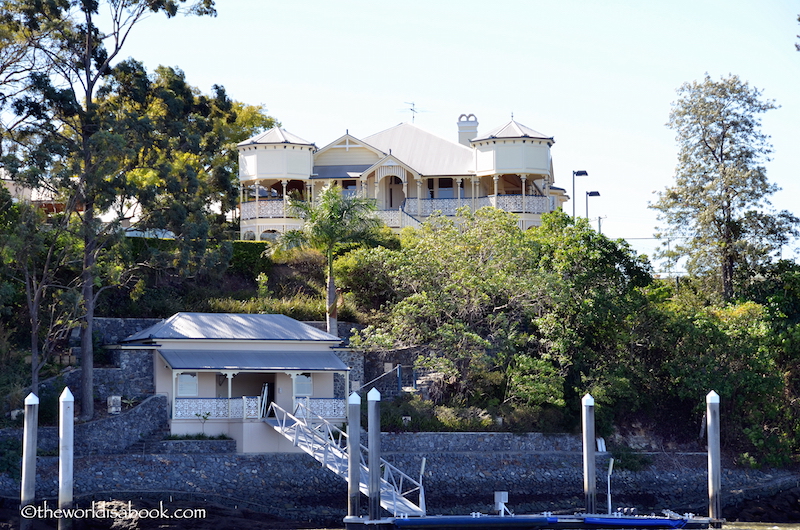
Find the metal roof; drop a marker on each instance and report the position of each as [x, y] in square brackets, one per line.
[426, 153]
[266, 361]
[510, 130]
[339, 172]
[231, 326]
[276, 135]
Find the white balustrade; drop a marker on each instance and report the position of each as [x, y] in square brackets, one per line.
[325, 407]
[216, 408]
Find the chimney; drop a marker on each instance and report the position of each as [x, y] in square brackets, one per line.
[467, 128]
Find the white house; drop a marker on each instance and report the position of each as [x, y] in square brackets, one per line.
[221, 371]
[409, 172]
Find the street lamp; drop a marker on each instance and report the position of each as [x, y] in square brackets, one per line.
[580, 173]
[590, 194]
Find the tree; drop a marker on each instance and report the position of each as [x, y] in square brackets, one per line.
[68, 142]
[38, 254]
[334, 219]
[718, 209]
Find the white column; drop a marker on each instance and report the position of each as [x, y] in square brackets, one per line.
[353, 455]
[66, 426]
[285, 183]
[523, 179]
[374, 456]
[29, 435]
[457, 183]
[714, 468]
[419, 197]
[589, 471]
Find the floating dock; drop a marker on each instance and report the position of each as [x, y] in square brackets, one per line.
[614, 521]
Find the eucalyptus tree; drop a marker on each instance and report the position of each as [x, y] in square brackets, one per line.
[718, 214]
[42, 255]
[331, 220]
[68, 143]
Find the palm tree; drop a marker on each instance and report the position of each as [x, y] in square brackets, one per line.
[332, 220]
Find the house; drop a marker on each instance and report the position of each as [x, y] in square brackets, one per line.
[221, 371]
[409, 172]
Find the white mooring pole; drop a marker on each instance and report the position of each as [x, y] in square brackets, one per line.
[374, 460]
[66, 448]
[353, 455]
[28, 490]
[714, 467]
[608, 483]
[589, 471]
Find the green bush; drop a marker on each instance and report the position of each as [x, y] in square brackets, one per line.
[11, 458]
[626, 459]
[250, 258]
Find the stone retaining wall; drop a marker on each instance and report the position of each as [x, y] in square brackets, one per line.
[108, 435]
[296, 486]
[167, 447]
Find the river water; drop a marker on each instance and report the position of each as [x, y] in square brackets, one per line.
[761, 526]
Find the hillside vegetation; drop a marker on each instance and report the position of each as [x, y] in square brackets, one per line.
[521, 324]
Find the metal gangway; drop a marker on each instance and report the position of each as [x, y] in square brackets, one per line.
[328, 445]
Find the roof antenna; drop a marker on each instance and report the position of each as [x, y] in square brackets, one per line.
[412, 109]
[512, 116]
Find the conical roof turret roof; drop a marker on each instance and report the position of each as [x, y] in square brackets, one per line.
[276, 135]
[512, 130]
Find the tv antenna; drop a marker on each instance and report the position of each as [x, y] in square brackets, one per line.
[414, 110]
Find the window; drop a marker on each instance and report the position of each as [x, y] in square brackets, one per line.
[303, 385]
[349, 188]
[187, 384]
[446, 189]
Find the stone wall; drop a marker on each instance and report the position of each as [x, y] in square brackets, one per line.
[166, 447]
[113, 330]
[131, 378]
[108, 435]
[456, 481]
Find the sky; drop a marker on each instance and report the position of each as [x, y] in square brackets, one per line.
[600, 77]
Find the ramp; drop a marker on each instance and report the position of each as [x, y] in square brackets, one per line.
[328, 445]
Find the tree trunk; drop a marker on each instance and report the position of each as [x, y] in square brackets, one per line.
[87, 294]
[330, 300]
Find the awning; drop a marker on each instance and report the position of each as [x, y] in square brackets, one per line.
[254, 360]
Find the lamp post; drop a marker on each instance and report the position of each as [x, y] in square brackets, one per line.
[590, 194]
[580, 173]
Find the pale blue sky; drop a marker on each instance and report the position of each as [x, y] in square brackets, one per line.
[598, 76]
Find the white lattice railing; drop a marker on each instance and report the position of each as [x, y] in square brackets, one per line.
[245, 407]
[263, 209]
[325, 407]
[389, 217]
[508, 203]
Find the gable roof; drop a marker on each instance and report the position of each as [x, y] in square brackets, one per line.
[230, 326]
[511, 130]
[276, 135]
[427, 153]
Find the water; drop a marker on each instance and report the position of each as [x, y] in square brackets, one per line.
[761, 526]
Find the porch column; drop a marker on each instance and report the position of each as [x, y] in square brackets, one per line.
[457, 182]
[474, 182]
[284, 183]
[496, 179]
[174, 391]
[377, 190]
[258, 212]
[419, 197]
[524, 180]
